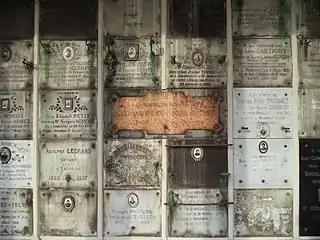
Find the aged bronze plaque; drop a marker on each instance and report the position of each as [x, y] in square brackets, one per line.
[197, 18]
[309, 18]
[197, 63]
[68, 64]
[16, 65]
[166, 113]
[262, 62]
[309, 187]
[132, 63]
[70, 19]
[68, 114]
[261, 18]
[204, 163]
[16, 19]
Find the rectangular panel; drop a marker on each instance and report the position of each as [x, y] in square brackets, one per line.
[15, 115]
[132, 62]
[16, 19]
[132, 213]
[198, 213]
[262, 62]
[68, 213]
[70, 19]
[139, 18]
[309, 18]
[68, 64]
[133, 163]
[16, 67]
[262, 112]
[194, 18]
[193, 113]
[261, 18]
[16, 164]
[197, 63]
[68, 164]
[263, 213]
[309, 187]
[198, 163]
[68, 114]
[16, 212]
[262, 163]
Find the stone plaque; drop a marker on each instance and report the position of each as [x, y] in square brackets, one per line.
[263, 213]
[15, 115]
[197, 63]
[16, 65]
[68, 114]
[309, 17]
[262, 112]
[198, 213]
[205, 163]
[138, 18]
[68, 213]
[166, 113]
[16, 164]
[133, 63]
[132, 213]
[133, 163]
[262, 63]
[16, 212]
[262, 163]
[261, 18]
[194, 18]
[68, 164]
[68, 64]
[309, 187]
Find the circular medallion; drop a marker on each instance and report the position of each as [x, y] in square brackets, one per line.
[5, 155]
[197, 153]
[68, 203]
[263, 147]
[197, 58]
[68, 53]
[132, 52]
[133, 200]
[5, 54]
[263, 130]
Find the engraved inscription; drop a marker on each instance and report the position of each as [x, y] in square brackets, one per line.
[14, 74]
[68, 114]
[68, 64]
[68, 164]
[167, 113]
[262, 62]
[197, 63]
[16, 212]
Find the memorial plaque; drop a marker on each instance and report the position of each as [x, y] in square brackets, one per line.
[16, 212]
[262, 112]
[68, 213]
[16, 67]
[263, 213]
[309, 187]
[197, 63]
[198, 213]
[137, 18]
[68, 114]
[133, 63]
[205, 163]
[197, 18]
[133, 163]
[262, 63]
[68, 64]
[166, 113]
[16, 19]
[16, 164]
[68, 164]
[15, 115]
[260, 163]
[309, 18]
[261, 18]
[132, 213]
[70, 19]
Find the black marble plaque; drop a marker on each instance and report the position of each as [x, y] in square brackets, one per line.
[309, 17]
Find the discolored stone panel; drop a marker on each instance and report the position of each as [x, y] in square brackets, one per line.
[309, 17]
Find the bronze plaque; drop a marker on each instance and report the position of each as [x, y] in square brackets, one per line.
[167, 113]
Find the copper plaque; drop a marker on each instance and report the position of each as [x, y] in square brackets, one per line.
[167, 113]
